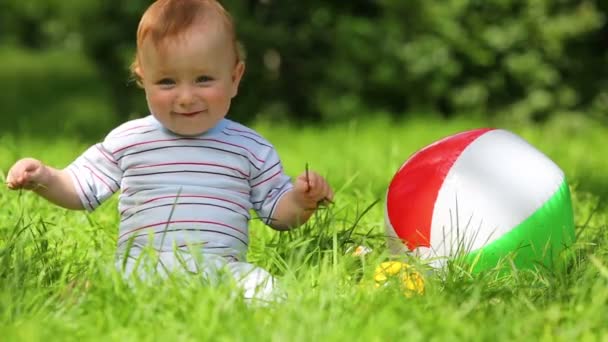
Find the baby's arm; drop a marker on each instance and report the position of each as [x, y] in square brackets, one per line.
[297, 205]
[53, 184]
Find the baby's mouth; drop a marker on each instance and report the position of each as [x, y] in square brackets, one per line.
[190, 114]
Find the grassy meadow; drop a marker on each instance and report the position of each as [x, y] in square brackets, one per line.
[57, 280]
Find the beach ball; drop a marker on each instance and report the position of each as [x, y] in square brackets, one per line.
[482, 196]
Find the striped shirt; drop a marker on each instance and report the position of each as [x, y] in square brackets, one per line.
[181, 191]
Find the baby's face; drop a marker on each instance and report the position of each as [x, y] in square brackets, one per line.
[190, 81]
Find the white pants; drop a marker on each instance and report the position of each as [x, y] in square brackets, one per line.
[255, 282]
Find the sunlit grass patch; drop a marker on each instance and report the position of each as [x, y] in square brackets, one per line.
[57, 277]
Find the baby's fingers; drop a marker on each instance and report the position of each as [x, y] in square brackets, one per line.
[320, 189]
[327, 196]
[23, 173]
[329, 193]
[17, 181]
[13, 182]
[301, 184]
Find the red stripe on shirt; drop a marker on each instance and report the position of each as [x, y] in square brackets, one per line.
[190, 139]
[111, 160]
[98, 177]
[82, 190]
[188, 196]
[267, 179]
[243, 131]
[254, 134]
[191, 163]
[180, 221]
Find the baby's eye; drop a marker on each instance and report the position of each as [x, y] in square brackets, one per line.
[165, 82]
[204, 79]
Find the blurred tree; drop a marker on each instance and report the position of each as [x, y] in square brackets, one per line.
[468, 56]
[320, 60]
[108, 30]
[28, 23]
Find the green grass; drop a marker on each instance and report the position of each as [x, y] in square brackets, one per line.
[44, 250]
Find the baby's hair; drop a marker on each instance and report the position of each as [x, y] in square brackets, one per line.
[166, 19]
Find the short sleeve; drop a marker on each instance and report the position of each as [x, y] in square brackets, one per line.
[96, 175]
[268, 185]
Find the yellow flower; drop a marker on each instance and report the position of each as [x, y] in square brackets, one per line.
[410, 280]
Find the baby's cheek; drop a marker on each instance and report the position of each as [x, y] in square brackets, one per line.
[215, 94]
[158, 101]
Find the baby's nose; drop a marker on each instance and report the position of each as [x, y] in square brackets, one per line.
[185, 97]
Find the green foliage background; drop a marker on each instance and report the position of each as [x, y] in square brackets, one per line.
[320, 61]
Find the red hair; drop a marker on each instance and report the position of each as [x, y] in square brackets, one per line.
[166, 19]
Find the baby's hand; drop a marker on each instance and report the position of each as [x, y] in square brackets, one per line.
[310, 189]
[27, 173]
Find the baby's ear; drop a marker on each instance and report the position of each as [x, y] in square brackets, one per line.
[237, 75]
[136, 75]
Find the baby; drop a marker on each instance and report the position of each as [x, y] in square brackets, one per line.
[187, 176]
